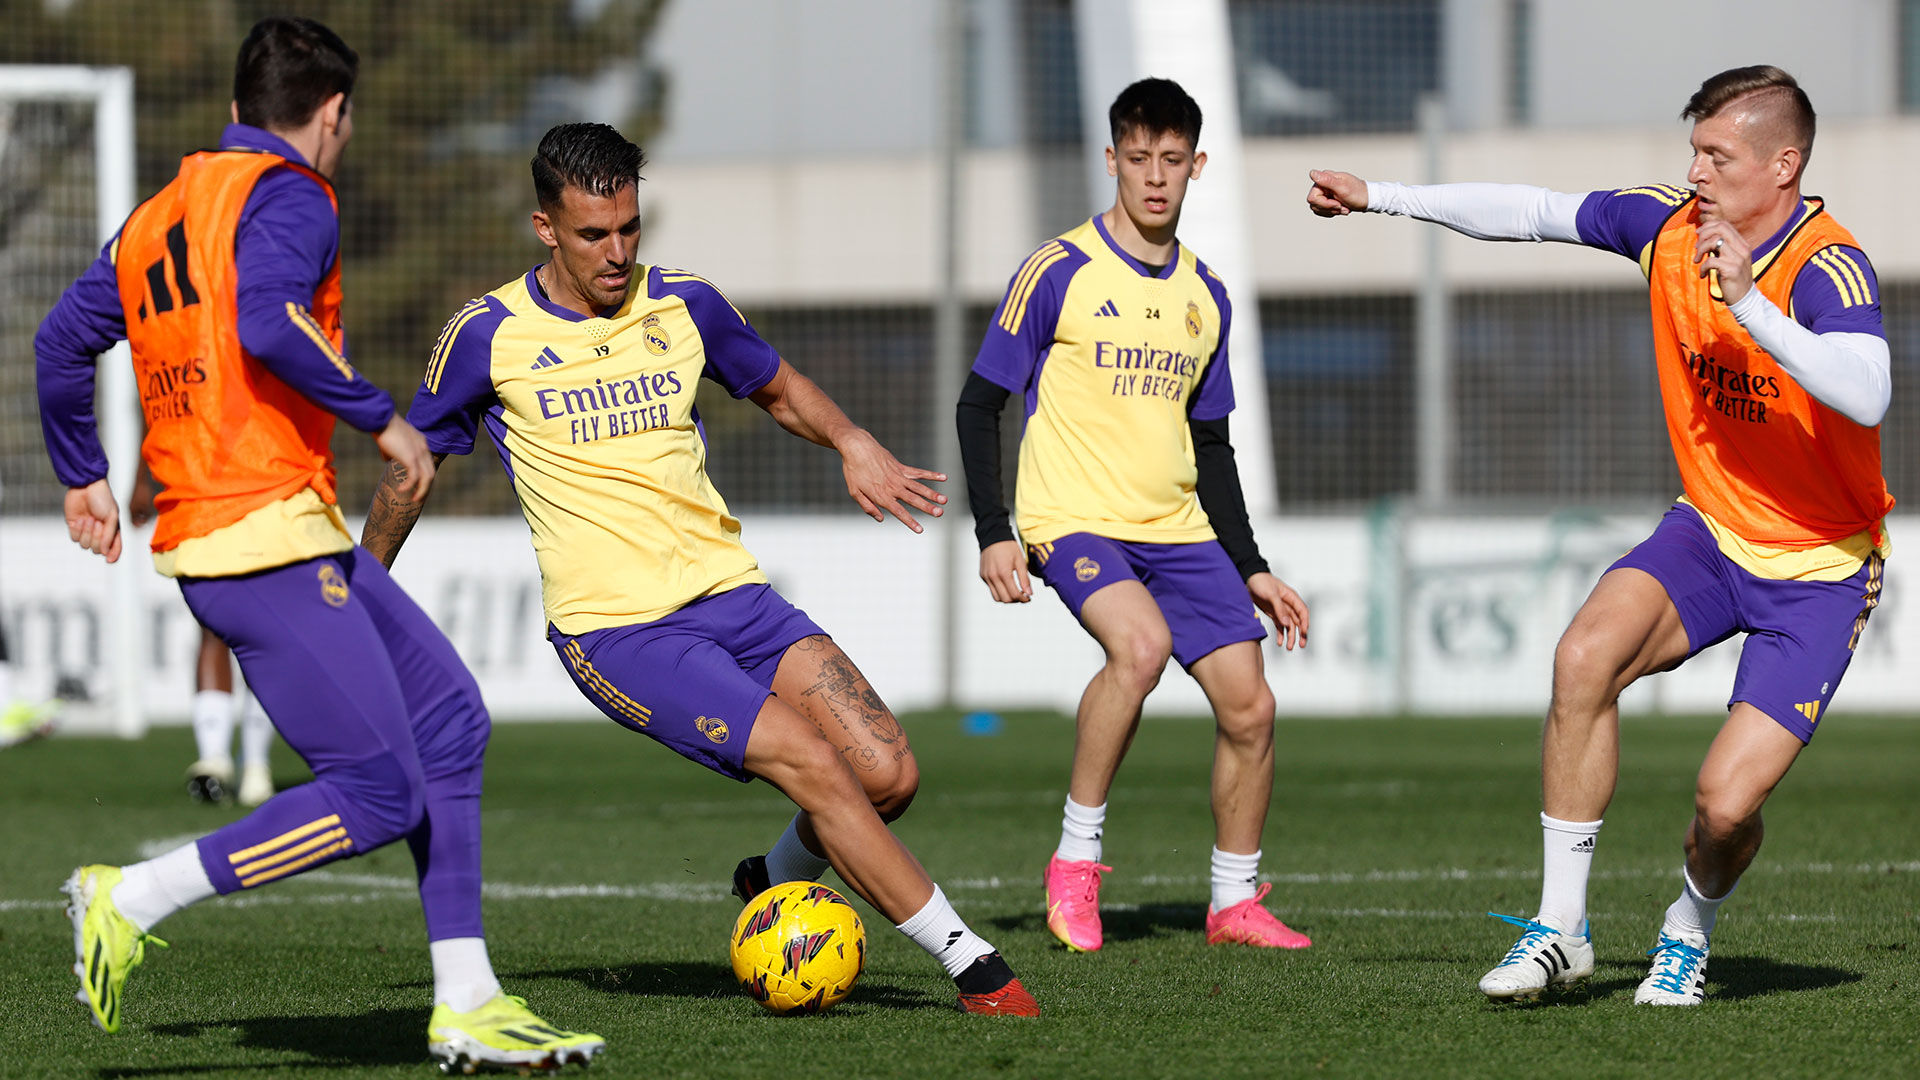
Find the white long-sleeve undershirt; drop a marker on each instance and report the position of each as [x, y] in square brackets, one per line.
[1849, 373]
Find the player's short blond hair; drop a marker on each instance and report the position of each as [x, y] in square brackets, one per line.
[1786, 113]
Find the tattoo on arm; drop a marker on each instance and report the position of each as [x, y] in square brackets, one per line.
[391, 517]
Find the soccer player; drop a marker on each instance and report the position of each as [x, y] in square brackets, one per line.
[1129, 504]
[216, 712]
[583, 371]
[226, 285]
[1773, 368]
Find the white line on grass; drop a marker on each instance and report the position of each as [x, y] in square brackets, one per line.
[391, 887]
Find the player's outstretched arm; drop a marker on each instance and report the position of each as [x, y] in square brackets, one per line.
[875, 478]
[402, 492]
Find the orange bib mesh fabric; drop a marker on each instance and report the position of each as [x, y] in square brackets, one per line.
[1756, 451]
[224, 436]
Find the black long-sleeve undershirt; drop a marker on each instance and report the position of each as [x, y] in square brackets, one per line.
[977, 418]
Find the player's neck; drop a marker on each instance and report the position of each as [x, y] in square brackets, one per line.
[1155, 247]
[1761, 227]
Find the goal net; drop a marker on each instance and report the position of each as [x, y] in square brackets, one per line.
[72, 622]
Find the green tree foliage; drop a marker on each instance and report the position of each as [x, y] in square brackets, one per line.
[434, 192]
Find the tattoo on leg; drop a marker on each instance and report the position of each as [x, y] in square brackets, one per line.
[862, 758]
[847, 693]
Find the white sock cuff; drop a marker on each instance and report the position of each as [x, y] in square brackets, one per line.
[789, 860]
[1093, 815]
[927, 913]
[1577, 828]
[1687, 876]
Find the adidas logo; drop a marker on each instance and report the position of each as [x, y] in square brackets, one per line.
[1809, 709]
[547, 358]
[1108, 309]
[1586, 845]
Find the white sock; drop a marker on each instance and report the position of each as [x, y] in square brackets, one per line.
[1563, 873]
[939, 929]
[256, 731]
[789, 859]
[1693, 913]
[1080, 831]
[1235, 878]
[462, 975]
[213, 725]
[152, 890]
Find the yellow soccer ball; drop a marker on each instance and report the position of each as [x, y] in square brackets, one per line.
[798, 948]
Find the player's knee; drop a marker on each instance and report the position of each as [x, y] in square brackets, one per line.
[893, 789]
[1581, 670]
[1248, 722]
[387, 796]
[1141, 660]
[1722, 815]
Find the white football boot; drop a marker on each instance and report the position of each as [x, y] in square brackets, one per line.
[1679, 975]
[1542, 957]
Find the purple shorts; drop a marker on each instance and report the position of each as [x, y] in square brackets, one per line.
[1199, 592]
[1800, 634]
[694, 680]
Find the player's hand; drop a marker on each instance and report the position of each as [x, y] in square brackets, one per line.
[1720, 249]
[1283, 606]
[880, 483]
[412, 472]
[1335, 194]
[1004, 569]
[140, 505]
[93, 519]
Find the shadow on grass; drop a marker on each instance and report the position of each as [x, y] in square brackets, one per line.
[1729, 978]
[1124, 923]
[380, 1037]
[702, 980]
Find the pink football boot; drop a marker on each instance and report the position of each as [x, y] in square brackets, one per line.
[1073, 902]
[1247, 923]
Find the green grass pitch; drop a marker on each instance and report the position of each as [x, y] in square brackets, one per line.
[608, 863]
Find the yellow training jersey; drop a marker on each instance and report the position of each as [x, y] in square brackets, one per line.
[594, 419]
[1112, 359]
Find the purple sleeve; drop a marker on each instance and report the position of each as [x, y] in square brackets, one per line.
[288, 239]
[738, 358]
[85, 322]
[1024, 323]
[1213, 397]
[1838, 292]
[458, 386]
[1626, 221]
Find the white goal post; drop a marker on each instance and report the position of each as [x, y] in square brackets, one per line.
[109, 92]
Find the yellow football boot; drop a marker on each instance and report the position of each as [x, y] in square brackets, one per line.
[504, 1034]
[106, 947]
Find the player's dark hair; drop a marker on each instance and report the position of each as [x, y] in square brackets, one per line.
[288, 67]
[1155, 106]
[1766, 87]
[592, 157]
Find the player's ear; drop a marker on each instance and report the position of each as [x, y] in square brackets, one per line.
[1199, 162]
[1113, 168]
[543, 228]
[1788, 166]
[333, 111]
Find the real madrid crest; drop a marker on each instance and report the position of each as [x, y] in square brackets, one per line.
[658, 343]
[1085, 569]
[1193, 319]
[714, 728]
[333, 587]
